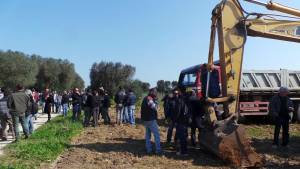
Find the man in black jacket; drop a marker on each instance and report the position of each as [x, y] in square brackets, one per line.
[196, 109]
[76, 102]
[87, 108]
[95, 107]
[280, 107]
[170, 104]
[130, 106]
[48, 97]
[105, 104]
[64, 103]
[119, 100]
[181, 117]
[149, 117]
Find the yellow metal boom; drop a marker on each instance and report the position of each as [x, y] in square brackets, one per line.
[232, 25]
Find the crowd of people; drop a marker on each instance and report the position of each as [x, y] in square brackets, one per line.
[22, 105]
[184, 109]
[181, 109]
[125, 106]
[17, 107]
[178, 114]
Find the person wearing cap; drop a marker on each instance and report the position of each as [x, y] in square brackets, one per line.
[280, 106]
[149, 109]
[18, 103]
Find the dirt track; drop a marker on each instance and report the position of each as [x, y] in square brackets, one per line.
[123, 147]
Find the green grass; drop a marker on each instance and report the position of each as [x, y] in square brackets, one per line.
[259, 131]
[44, 145]
[267, 131]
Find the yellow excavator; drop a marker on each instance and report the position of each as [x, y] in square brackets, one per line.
[232, 24]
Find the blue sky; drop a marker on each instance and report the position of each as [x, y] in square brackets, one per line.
[158, 37]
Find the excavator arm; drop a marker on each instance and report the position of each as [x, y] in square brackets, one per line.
[274, 29]
[232, 25]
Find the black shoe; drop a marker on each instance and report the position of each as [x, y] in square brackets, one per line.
[26, 136]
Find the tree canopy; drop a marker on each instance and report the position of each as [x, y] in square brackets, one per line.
[36, 71]
[165, 86]
[111, 76]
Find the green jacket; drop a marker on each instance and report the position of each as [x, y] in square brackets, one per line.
[19, 103]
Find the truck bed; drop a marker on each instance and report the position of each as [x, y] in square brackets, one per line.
[270, 80]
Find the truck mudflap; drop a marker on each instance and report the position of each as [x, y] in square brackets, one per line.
[229, 142]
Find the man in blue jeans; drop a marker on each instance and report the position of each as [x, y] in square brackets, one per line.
[130, 106]
[65, 102]
[149, 117]
[119, 100]
[30, 112]
[18, 103]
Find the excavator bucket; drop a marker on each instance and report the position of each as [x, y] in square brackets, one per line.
[228, 141]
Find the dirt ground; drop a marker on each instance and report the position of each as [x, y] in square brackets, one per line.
[117, 147]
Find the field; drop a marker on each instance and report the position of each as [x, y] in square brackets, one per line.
[114, 146]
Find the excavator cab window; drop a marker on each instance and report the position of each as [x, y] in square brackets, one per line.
[189, 79]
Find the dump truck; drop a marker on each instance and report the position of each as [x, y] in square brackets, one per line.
[257, 88]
